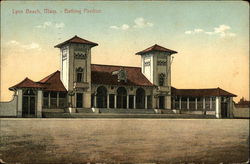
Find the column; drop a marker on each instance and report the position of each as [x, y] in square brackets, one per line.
[19, 102]
[108, 101]
[115, 101]
[134, 104]
[146, 102]
[211, 103]
[179, 102]
[127, 101]
[95, 100]
[57, 99]
[188, 103]
[204, 103]
[49, 100]
[39, 104]
[196, 106]
[218, 107]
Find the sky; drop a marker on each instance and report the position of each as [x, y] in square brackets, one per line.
[211, 38]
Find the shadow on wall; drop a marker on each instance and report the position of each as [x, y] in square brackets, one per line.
[9, 109]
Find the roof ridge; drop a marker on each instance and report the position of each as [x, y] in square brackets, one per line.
[115, 65]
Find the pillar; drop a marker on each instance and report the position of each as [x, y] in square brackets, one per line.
[196, 106]
[146, 102]
[115, 101]
[87, 99]
[39, 104]
[218, 107]
[127, 101]
[19, 102]
[204, 103]
[188, 103]
[134, 102]
[211, 103]
[108, 101]
[95, 100]
[179, 102]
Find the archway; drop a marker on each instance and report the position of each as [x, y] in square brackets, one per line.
[121, 97]
[140, 98]
[101, 97]
[29, 103]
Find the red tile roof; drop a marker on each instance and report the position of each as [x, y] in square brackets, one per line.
[156, 48]
[49, 83]
[76, 39]
[102, 74]
[53, 82]
[27, 83]
[201, 92]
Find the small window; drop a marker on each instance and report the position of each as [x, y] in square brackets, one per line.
[161, 79]
[79, 74]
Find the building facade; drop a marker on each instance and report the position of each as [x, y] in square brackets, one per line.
[82, 87]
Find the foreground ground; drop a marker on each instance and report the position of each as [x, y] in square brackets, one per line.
[124, 140]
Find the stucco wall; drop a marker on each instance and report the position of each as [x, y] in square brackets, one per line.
[241, 112]
[9, 109]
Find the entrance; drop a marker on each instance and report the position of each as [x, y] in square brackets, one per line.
[140, 98]
[121, 97]
[161, 102]
[29, 103]
[223, 110]
[101, 97]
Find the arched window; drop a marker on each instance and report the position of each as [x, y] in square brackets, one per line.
[79, 74]
[140, 98]
[121, 97]
[101, 97]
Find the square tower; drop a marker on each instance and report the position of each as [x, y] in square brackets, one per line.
[76, 70]
[156, 66]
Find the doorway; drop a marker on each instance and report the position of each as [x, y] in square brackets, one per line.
[29, 103]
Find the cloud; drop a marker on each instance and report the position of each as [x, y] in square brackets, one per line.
[30, 46]
[138, 23]
[141, 23]
[50, 24]
[122, 27]
[221, 30]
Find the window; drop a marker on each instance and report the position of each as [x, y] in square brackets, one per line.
[45, 99]
[62, 99]
[79, 74]
[53, 99]
[161, 79]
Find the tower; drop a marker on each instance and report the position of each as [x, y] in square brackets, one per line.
[75, 59]
[156, 66]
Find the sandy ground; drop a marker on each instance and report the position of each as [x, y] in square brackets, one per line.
[124, 140]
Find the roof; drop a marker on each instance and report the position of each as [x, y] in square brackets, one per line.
[102, 74]
[53, 82]
[201, 92]
[49, 83]
[76, 39]
[26, 83]
[156, 48]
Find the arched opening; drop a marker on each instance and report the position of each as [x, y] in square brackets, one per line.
[101, 97]
[140, 98]
[121, 97]
[29, 103]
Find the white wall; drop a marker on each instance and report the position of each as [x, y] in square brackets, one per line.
[9, 109]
